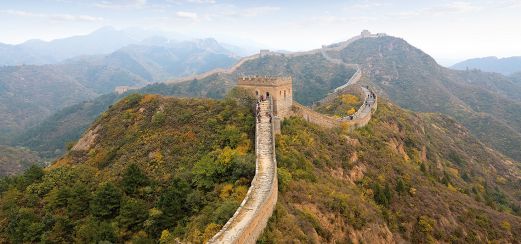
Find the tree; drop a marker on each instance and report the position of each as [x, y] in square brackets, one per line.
[106, 201]
[382, 196]
[33, 174]
[133, 179]
[400, 186]
[78, 201]
[132, 214]
[173, 200]
[92, 231]
[24, 226]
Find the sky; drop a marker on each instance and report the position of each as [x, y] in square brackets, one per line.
[447, 30]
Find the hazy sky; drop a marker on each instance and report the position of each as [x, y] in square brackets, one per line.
[444, 29]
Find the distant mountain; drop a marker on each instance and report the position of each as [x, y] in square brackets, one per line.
[29, 93]
[505, 66]
[516, 77]
[15, 160]
[42, 52]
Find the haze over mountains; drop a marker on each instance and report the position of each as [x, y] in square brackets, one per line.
[29, 93]
[488, 104]
[505, 66]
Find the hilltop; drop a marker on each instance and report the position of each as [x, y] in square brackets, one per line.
[487, 104]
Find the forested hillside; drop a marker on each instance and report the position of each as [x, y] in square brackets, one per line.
[419, 178]
[150, 168]
[164, 168]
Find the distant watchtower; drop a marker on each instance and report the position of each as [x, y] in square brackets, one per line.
[278, 88]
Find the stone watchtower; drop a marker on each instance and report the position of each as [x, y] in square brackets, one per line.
[278, 88]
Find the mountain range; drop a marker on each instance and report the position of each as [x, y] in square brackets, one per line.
[505, 66]
[29, 93]
[41, 52]
[486, 103]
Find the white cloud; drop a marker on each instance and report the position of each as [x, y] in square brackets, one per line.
[187, 15]
[231, 11]
[55, 17]
[121, 4]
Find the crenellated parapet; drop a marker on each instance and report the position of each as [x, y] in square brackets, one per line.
[256, 80]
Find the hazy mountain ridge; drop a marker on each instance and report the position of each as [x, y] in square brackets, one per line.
[15, 160]
[42, 52]
[32, 92]
[505, 66]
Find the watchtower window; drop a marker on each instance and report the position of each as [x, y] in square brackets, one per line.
[256, 93]
[284, 94]
[267, 94]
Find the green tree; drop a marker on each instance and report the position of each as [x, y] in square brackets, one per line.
[33, 174]
[382, 196]
[106, 201]
[173, 200]
[134, 178]
[132, 214]
[78, 201]
[24, 226]
[400, 186]
[92, 231]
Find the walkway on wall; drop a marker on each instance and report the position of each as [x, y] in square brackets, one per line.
[251, 217]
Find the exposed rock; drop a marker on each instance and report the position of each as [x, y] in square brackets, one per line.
[87, 140]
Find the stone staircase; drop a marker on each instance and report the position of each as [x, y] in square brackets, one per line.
[251, 217]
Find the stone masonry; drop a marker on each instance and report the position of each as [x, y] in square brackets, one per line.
[252, 216]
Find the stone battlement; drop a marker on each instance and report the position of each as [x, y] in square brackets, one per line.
[256, 80]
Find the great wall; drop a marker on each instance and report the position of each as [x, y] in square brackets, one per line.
[250, 219]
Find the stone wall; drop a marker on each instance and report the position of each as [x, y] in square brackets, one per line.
[314, 117]
[252, 216]
[360, 119]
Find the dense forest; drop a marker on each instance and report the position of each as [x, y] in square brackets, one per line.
[159, 169]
